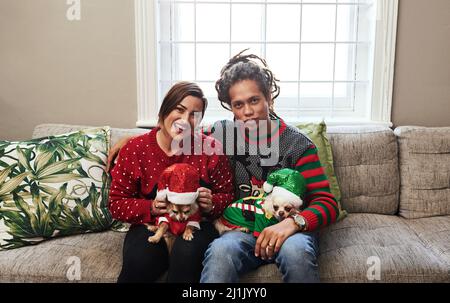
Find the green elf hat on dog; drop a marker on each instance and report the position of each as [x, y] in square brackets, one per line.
[287, 183]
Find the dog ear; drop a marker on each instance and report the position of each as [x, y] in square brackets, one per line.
[293, 211]
[194, 208]
[268, 204]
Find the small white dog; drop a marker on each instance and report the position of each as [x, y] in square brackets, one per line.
[280, 207]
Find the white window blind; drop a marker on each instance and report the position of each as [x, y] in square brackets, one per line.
[324, 52]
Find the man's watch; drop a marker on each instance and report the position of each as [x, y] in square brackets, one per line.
[299, 220]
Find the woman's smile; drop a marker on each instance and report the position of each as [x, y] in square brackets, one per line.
[179, 126]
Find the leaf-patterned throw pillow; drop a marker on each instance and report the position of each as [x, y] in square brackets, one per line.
[53, 186]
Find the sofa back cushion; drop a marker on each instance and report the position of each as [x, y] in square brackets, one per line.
[424, 171]
[365, 162]
[366, 166]
[52, 129]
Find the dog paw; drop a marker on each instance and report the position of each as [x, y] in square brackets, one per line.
[244, 229]
[188, 236]
[154, 239]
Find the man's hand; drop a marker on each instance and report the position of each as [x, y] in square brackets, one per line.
[112, 156]
[204, 200]
[271, 238]
[158, 208]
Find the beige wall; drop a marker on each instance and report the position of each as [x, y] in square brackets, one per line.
[53, 70]
[83, 72]
[422, 69]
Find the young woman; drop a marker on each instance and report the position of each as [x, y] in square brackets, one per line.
[134, 184]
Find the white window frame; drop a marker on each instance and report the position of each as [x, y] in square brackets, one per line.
[146, 28]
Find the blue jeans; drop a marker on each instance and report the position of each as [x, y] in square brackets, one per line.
[233, 254]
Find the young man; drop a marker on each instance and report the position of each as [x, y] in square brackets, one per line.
[248, 89]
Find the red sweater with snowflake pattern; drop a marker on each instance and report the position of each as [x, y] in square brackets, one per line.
[141, 162]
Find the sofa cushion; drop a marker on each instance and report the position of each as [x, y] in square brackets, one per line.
[99, 256]
[53, 186]
[408, 251]
[366, 165]
[434, 233]
[424, 155]
[268, 273]
[346, 248]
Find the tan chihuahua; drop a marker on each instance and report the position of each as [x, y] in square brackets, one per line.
[176, 222]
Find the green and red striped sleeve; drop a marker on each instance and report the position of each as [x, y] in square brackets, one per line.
[321, 206]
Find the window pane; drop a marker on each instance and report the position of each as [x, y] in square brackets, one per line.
[283, 60]
[362, 68]
[164, 21]
[283, 22]
[288, 97]
[164, 87]
[315, 95]
[213, 22]
[344, 69]
[209, 90]
[317, 62]
[361, 106]
[184, 22]
[343, 96]
[256, 49]
[315, 90]
[166, 61]
[366, 21]
[318, 22]
[210, 60]
[184, 56]
[247, 22]
[346, 23]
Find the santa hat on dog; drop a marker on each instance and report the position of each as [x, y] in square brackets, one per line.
[179, 183]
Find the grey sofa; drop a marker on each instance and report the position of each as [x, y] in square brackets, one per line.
[395, 186]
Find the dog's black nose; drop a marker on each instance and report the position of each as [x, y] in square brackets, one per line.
[281, 213]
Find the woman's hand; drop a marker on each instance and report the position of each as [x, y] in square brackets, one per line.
[271, 238]
[204, 200]
[112, 156]
[158, 208]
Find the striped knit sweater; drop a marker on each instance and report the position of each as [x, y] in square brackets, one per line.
[253, 159]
